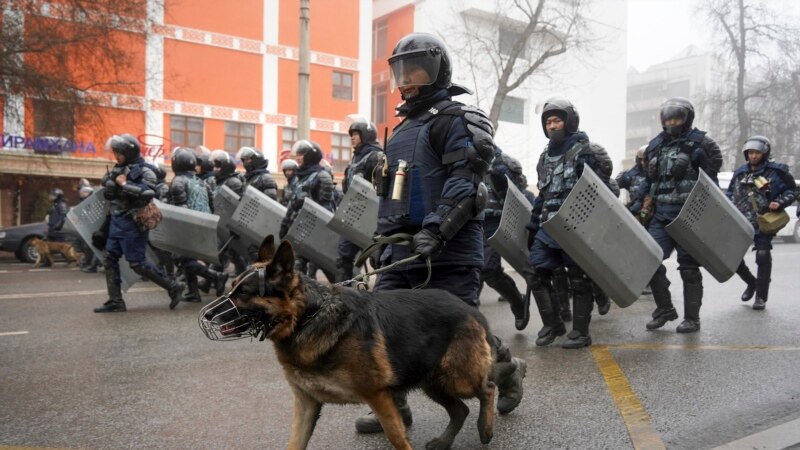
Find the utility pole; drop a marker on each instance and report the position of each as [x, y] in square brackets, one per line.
[304, 94]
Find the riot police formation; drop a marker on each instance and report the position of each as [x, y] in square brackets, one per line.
[189, 191]
[129, 186]
[366, 157]
[433, 195]
[674, 160]
[560, 166]
[757, 187]
[56, 216]
[503, 168]
[256, 172]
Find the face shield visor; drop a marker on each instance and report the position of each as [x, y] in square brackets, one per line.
[418, 68]
[674, 112]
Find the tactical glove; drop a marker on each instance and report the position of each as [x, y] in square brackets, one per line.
[680, 166]
[427, 242]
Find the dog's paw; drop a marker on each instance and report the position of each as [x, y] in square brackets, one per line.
[438, 444]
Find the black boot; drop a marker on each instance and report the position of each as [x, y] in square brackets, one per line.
[600, 297]
[561, 292]
[764, 261]
[552, 324]
[583, 303]
[173, 287]
[520, 306]
[692, 299]
[114, 302]
[192, 294]
[508, 377]
[744, 273]
[762, 292]
[216, 279]
[664, 312]
[369, 423]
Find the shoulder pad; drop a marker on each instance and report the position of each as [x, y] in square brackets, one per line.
[780, 167]
[739, 170]
[696, 135]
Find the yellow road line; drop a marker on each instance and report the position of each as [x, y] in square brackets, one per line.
[702, 347]
[640, 429]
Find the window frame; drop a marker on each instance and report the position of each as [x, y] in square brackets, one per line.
[241, 140]
[338, 89]
[189, 137]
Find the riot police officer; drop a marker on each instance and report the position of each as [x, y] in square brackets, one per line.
[256, 173]
[56, 216]
[560, 166]
[205, 167]
[366, 156]
[225, 173]
[758, 186]
[631, 179]
[289, 169]
[674, 160]
[503, 168]
[436, 161]
[129, 187]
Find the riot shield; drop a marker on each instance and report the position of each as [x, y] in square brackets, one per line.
[225, 202]
[87, 217]
[312, 239]
[256, 216]
[510, 238]
[185, 232]
[605, 240]
[712, 230]
[356, 218]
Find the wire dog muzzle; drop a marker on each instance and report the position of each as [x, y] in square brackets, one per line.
[222, 320]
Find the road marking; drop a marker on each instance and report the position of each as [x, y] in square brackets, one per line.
[703, 347]
[13, 333]
[70, 293]
[637, 421]
[777, 438]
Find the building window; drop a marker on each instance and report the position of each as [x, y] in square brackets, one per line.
[288, 138]
[507, 40]
[238, 135]
[343, 85]
[379, 30]
[55, 119]
[340, 151]
[185, 131]
[379, 103]
[513, 110]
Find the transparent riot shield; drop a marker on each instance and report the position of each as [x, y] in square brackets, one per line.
[356, 218]
[712, 230]
[311, 237]
[511, 236]
[256, 216]
[605, 240]
[187, 233]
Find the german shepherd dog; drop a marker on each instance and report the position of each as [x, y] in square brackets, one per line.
[341, 345]
[46, 249]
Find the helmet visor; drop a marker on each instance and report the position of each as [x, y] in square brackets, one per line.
[674, 112]
[415, 69]
[755, 144]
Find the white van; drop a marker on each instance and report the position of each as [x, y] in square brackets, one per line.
[789, 233]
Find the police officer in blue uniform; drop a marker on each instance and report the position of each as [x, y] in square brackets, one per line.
[366, 156]
[631, 179]
[759, 186]
[560, 167]
[130, 186]
[674, 160]
[256, 172]
[436, 160]
[57, 216]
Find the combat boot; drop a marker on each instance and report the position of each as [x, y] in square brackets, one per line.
[508, 377]
[664, 312]
[692, 300]
[192, 294]
[115, 303]
[600, 297]
[762, 292]
[583, 305]
[744, 273]
[369, 423]
[173, 287]
[561, 292]
[764, 261]
[661, 317]
[520, 306]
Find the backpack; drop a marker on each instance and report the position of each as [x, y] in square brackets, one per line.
[197, 195]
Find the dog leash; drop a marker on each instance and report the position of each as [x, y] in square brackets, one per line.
[361, 280]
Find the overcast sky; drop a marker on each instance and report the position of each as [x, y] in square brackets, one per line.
[659, 29]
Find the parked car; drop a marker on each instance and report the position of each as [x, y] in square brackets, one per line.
[17, 240]
[789, 233]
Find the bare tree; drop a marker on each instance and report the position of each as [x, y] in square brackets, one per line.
[66, 53]
[518, 41]
[761, 43]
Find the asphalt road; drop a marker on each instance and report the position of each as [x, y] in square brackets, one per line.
[148, 379]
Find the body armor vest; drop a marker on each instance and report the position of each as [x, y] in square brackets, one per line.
[558, 178]
[746, 191]
[425, 177]
[359, 165]
[666, 189]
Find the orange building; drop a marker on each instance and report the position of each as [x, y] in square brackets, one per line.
[220, 74]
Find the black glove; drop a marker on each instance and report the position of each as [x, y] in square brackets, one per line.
[427, 243]
[681, 165]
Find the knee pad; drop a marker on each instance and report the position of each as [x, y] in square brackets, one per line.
[763, 257]
[691, 275]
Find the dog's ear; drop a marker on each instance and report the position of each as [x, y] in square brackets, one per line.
[284, 257]
[267, 249]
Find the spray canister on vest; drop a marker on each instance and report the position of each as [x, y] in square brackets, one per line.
[399, 180]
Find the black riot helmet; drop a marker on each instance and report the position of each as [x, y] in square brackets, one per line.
[677, 108]
[288, 164]
[421, 50]
[759, 144]
[161, 173]
[366, 130]
[183, 160]
[56, 194]
[203, 155]
[252, 158]
[126, 145]
[563, 108]
[310, 150]
[223, 161]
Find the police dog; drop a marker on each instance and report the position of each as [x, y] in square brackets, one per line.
[46, 250]
[341, 345]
